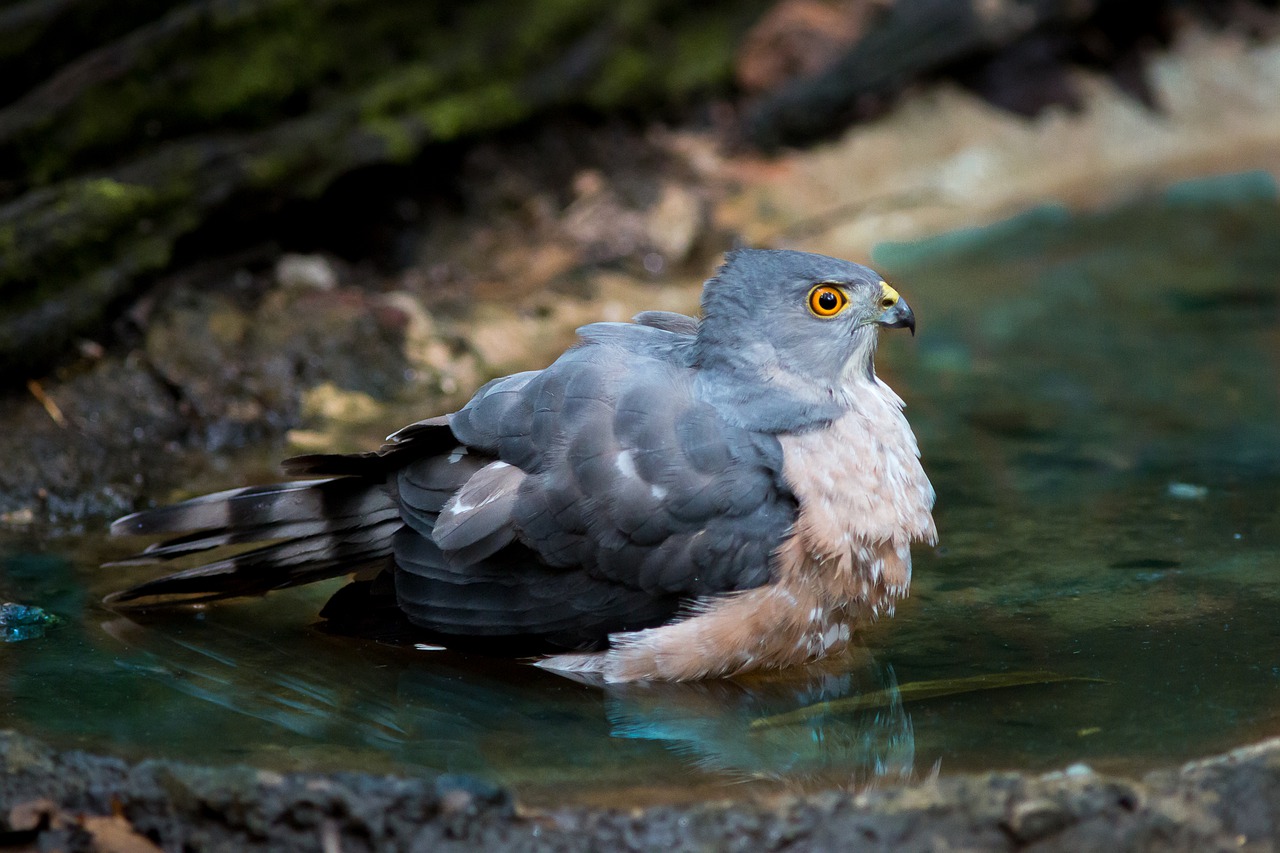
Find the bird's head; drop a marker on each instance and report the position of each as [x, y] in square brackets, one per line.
[808, 314]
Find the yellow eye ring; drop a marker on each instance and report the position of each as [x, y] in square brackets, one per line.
[826, 300]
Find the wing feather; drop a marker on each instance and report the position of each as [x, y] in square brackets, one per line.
[598, 495]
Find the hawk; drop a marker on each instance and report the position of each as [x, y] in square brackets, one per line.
[672, 499]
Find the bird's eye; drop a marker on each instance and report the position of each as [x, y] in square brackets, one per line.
[827, 301]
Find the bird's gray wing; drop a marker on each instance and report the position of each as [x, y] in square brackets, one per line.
[668, 321]
[600, 490]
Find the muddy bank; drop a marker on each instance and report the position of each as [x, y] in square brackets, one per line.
[75, 801]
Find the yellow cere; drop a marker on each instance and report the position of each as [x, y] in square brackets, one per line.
[888, 296]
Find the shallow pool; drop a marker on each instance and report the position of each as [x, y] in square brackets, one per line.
[1098, 402]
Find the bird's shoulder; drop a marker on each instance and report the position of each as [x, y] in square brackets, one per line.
[516, 417]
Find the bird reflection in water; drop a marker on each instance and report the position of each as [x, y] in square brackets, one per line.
[797, 725]
[331, 709]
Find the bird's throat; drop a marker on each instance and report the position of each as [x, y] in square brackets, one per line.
[861, 366]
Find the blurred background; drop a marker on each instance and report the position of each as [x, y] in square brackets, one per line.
[226, 224]
[234, 230]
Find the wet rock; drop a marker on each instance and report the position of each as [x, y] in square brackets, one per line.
[47, 798]
[602, 222]
[23, 622]
[243, 369]
[122, 427]
[180, 806]
[607, 226]
[246, 370]
[1238, 793]
[301, 272]
[222, 356]
[1035, 819]
[222, 361]
[562, 201]
[30, 815]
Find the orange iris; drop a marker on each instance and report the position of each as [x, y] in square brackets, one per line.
[827, 301]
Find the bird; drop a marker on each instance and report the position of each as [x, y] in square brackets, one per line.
[672, 499]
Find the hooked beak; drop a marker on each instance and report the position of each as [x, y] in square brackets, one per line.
[897, 313]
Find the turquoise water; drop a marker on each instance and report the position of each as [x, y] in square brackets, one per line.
[1098, 402]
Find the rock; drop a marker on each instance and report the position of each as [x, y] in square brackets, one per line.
[675, 223]
[1225, 803]
[1032, 820]
[799, 38]
[23, 622]
[125, 130]
[300, 272]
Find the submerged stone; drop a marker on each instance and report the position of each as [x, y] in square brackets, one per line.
[23, 621]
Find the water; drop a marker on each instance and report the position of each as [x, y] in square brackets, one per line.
[1097, 399]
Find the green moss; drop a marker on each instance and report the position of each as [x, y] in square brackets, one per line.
[87, 214]
[702, 56]
[628, 70]
[289, 94]
[111, 198]
[489, 106]
[247, 66]
[270, 168]
[151, 252]
[221, 71]
[8, 242]
[49, 149]
[634, 15]
[263, 73]
[660, 65]
[545, 23]
[408, 88]
[401, 145]
[97, 212]
[82, 227]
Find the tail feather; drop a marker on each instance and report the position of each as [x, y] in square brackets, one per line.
[308, 530]
[279, 503]
[205, 540]
[284, 564]
[313, 530]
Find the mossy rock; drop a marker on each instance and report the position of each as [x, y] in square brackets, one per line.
[136, 140]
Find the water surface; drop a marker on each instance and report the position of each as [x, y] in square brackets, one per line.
[1097, 400]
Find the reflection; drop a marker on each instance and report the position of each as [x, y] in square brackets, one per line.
[516, 724]
[327, 706]
[917, 691]
[717, 723]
